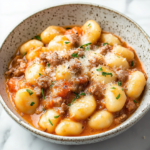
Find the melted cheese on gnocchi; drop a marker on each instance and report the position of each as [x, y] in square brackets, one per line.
[75, 81]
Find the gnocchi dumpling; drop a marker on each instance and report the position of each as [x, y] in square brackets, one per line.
[100, 120]
[124, 52]
[49, 120]
[32, 44]
[49, 33]
[115, 61]
[26, 101]
[135, 84]
[82, 108]
[91, 32]
[110, 39]
[63, 72]
[60, 43]
[115, 98]
[31, 55]
[68, 127]
[103, 75]
[33, 72]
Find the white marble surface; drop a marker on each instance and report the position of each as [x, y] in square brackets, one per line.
[14, 137]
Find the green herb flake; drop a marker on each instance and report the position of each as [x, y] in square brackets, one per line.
[75, 55]
[68, 28]
[105, 44]
[52, 83]
[43, 94]
[29, 91]
[83, 56]
[89, 24]
[50, 122]
[38, 37]
[107, 73]
[99, 69]
[118, 96]
[85, 45]
[69, 104]
[32, 103]
[67, 42]
[25, 81]
[95, 53]
[113, 88]
[122, 89]
[48, 65]
[24, 54]
[118, 56]
[77, 95]
[40, 74]
[82, 93]
[134, 101]
[56, 116]
[87, 48]
[119, 83]
[43, 109]
[132, 63]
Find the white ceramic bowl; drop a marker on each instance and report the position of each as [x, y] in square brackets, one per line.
[77, 14]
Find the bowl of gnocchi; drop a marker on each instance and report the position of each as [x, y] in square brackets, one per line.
[76, 73]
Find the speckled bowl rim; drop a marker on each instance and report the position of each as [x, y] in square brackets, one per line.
[82, 139]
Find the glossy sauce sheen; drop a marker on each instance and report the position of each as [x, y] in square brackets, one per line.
[33, 119]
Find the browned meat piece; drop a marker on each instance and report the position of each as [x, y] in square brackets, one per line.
[130, 105]
[53, 58]
[38, 91]
[97, 89]
[58, 101]
[43, 81]
[95, 61]
[120, 119]
[75, 66]
[64, 108]
[105, 49]
[74, 39]
[78, 50]
[18, 70]
[122, 75]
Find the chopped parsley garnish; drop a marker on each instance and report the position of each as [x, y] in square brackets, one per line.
[29, 91]
[77, 96]
[132, 63]
[40, 74]
[43, 94]
[50, 122]
[85, 45]
[48, 65]
[118, 96]
[87, 48]
[68, 28]
[95, 53]
[99, 69]
[67, 42]
[43, 109]
[105, 44]
[119, 83]
[75, 55]
[32, 103]
[24, 54]
[89, 24]
[82, 93]
[52, 83]
[118, 56]
[113, 88]
[56, 116]
[134, 101]
[83, 56]
[107, 73]
[38, 37]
